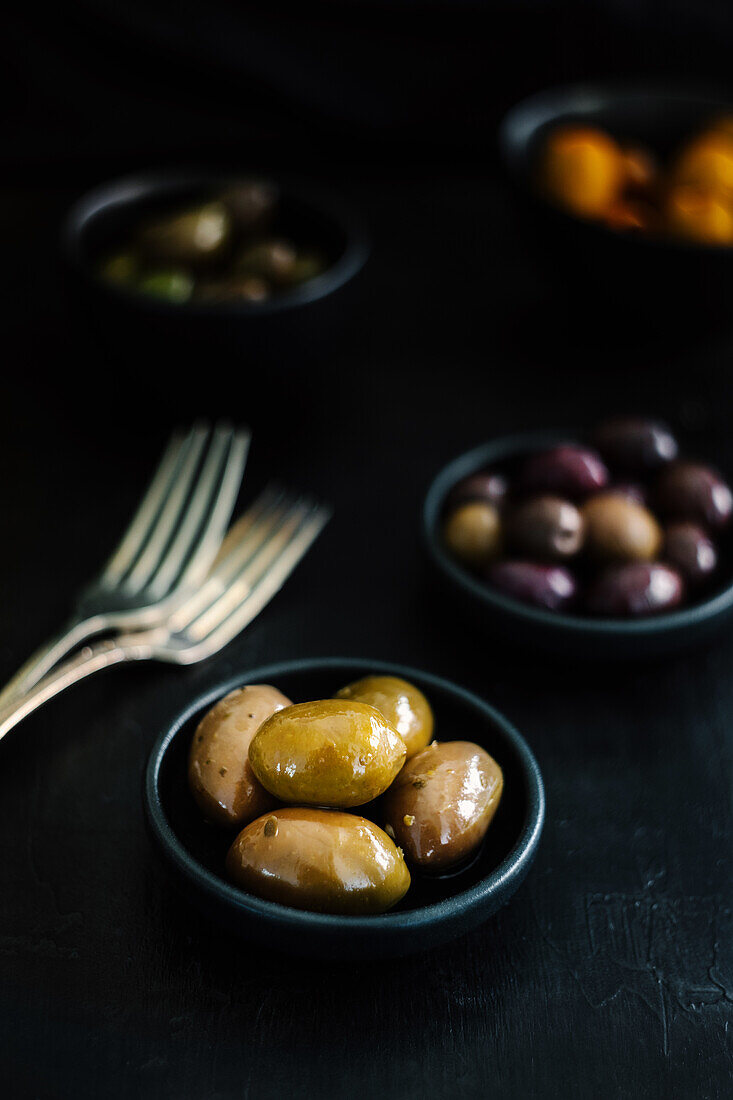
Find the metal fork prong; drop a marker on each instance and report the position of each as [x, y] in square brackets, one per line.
[169, 514]
[250, 573]
[234, 619]
[139, 526]
[225, 452]
[269, 496]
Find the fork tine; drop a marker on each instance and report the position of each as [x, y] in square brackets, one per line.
[168, 516]
[206, 514]
[228, 617]
[140, 524]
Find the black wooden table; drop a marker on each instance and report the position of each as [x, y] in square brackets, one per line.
[610, 974]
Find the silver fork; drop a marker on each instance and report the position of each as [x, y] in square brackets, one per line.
[259, 553]
[165, 552]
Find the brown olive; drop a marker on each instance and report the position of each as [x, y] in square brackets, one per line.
[689, 549]
[618, 529]
[692, 491]
[568, 470]
[251, 204]
[551, 587]
[400, 702]
[333, 752]
[635, 589]
[219, 772]
[321, 860]
[547, 528]
[238, 288]
[490, 486]
[442, 803]
[274, 260]
[635, 445]
[472, 532]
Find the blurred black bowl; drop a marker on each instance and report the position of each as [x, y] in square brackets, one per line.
[610, 271]
[293, 328]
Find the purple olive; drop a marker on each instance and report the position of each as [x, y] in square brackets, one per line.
[631, 490]
[689, 550]
[635, 445]
[691, 491]
[487, 485]
[640, 588]
[549, 586]
[547, 528]
[568, 470]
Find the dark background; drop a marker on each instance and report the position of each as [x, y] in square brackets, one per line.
[610, 974]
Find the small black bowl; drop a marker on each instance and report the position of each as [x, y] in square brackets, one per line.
[289, 330]
[435, 909]
[606, 267]
[561, 634]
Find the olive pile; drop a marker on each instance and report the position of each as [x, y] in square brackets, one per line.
[223, 250]
[285, 774]
[622, 528]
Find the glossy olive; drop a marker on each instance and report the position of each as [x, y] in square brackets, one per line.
[489, 485]
[219, 772]
[635, 445]
[236, 288]
[121, 268]
[551, 587]
[619, 529]
[400, 702]
[188, 236]
[689, 549]
[442, 803]
[251, 204]
[568, 470]
[334, 752]
[274, 260]
[692, 491]
[169, 284]
[631, 489]
[472, 532]
[321, 860]
[547, 528]
[635, 589]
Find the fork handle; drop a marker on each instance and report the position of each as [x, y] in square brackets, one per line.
[46, 656]
[91, 659]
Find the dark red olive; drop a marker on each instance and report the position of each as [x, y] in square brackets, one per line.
[640, 588]
[550, 586]
[689, 490]
[488, 485]
[688, 549]
[635, 445]
[547, 528]
[568, 470]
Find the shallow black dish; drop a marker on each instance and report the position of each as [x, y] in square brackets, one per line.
[436, 909]
[561, 634]
[601, 264]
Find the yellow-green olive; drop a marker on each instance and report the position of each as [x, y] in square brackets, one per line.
[472, 532]
[321, 860]
[188, 236]
[400, 702]
[219, 772]
[120, 268]
[170, 284]
[334, 752]
[442, 803]
[619, 529]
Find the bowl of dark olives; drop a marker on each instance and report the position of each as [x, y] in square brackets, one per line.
[614, 544]
[228, 258]
[344, 807]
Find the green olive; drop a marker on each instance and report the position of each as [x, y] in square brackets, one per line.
[170, 285]
[219, 772]
[333, 752]
[120, 267]
[400, 702]
[322, 860]
[187, 237]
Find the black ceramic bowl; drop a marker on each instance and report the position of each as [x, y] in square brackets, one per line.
[637, 270]
[435, 909]
[563, 635]
[291, 328]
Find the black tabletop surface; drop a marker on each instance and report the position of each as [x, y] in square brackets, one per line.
[610, 974]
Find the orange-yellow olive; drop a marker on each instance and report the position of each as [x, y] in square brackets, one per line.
[618, 529]
[400, 702]
[707, 163]
[321, 860]
[334, 752]
[219, 772]
[472, 532]
[442, 802]
[699, 215]
[582, 169]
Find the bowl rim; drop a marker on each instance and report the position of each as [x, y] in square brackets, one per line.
[133, 188]
[523, 119]
[509, 873]
[511, 446]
